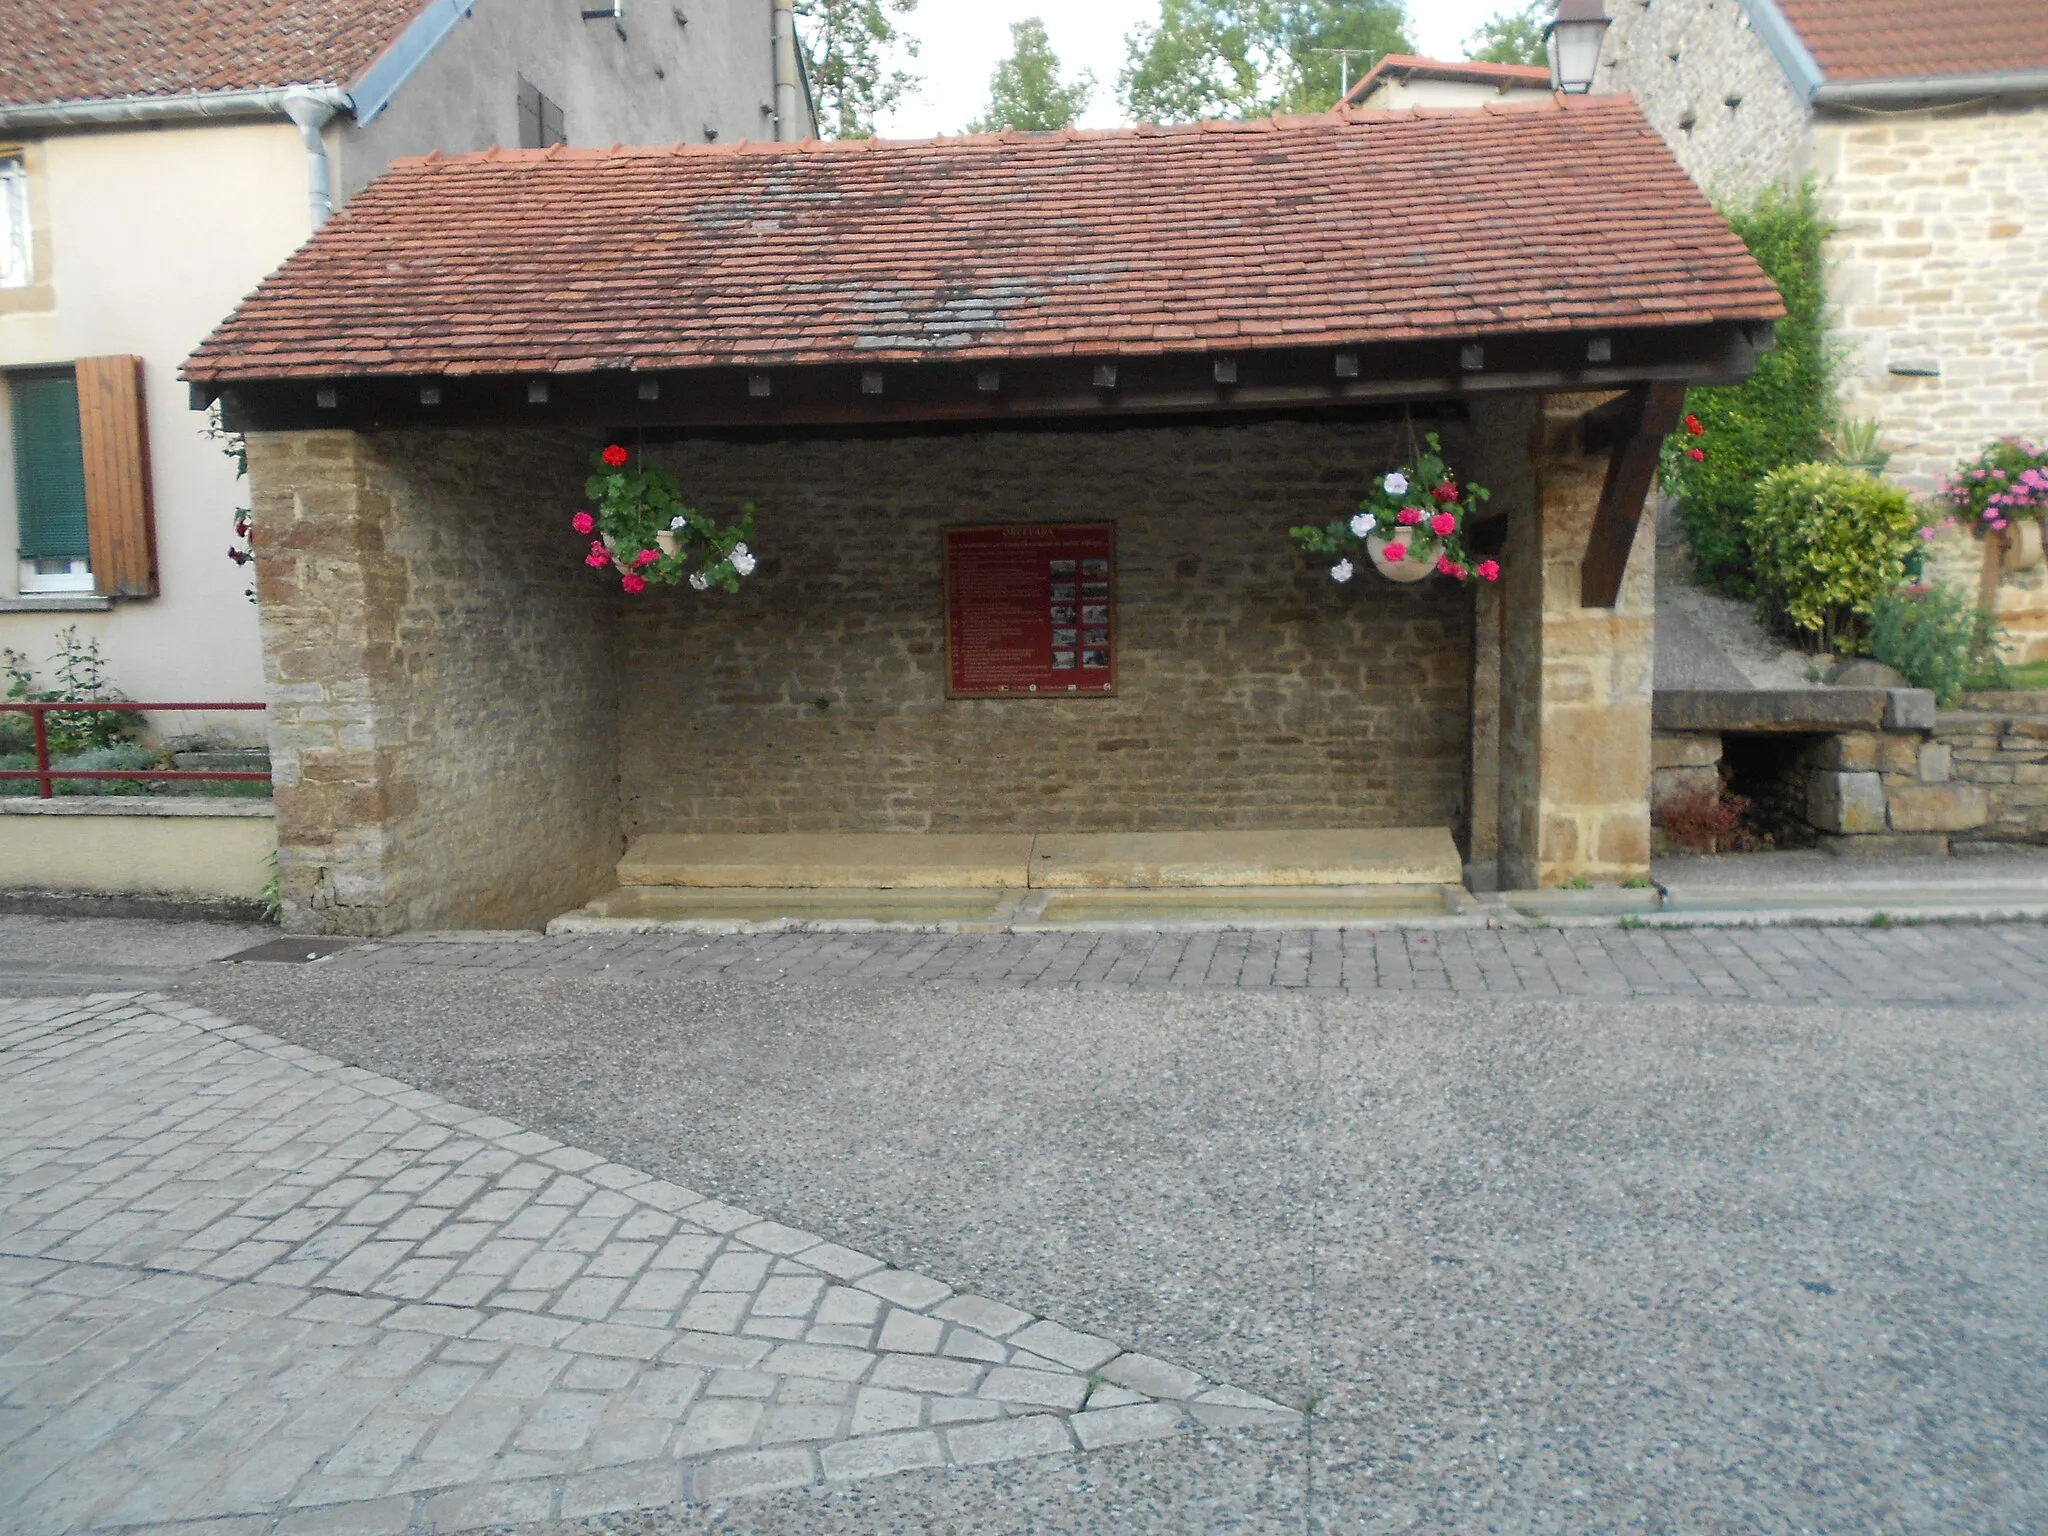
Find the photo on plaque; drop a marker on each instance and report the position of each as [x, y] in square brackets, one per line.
[1088, 658]
[1065, 568]
[1063, 613]
[1095, 570]
[1073, 637]
[1095, 591]
[1063, 661]
[1095, 613]
[1063, 592]
[1092, 637]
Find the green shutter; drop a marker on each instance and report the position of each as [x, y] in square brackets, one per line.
[49, 467]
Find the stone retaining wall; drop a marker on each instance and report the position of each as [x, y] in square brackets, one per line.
[1999, 743]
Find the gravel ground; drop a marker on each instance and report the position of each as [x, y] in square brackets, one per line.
[1535, 1265]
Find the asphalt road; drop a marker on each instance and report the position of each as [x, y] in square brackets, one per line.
[1533, 1265]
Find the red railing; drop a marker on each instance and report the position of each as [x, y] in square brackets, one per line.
[46, 776]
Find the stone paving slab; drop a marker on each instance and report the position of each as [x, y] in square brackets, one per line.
[245, 1284]
[1974, 965]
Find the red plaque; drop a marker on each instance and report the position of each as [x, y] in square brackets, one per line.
[1030, 611]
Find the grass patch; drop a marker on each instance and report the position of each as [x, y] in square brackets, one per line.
[2031, 678]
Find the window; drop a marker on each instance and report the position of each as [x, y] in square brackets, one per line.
[49, 483]
[17, 243]
[82, 502]
[540, 120]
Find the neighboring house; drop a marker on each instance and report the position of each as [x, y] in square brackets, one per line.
[159, 157]
[1400, 80]
[1925, 123]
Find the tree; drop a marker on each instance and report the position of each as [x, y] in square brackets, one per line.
[1242, 58]
[1025, 90]
[850, 49]
[1513, 36]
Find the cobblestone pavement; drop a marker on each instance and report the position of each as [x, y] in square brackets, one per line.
[1985, 965]
[240, 1279]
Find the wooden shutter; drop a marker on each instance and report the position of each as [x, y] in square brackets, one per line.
[113, 434]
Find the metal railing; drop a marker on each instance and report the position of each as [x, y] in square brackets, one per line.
[46, 774]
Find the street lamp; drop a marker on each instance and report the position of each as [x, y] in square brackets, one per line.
[1574, 40]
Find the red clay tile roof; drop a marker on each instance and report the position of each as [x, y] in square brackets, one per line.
[1381, 226]
[1920, 39]
[1407, 66]
[73, 50]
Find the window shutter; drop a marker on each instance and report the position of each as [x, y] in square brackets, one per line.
[49, 477]
[113, 437]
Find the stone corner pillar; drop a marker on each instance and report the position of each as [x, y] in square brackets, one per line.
[328, 587]
[1575, 682]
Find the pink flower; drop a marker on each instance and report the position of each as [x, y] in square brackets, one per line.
[1487, 570]
[645, 558]
[582, 522]
[1408, 517]
[1448, 491]
[598, 558]
[633, 584]
[1444, 567]
[615, 456]
[1394, 552]
[1442, 524]
[1696, 455]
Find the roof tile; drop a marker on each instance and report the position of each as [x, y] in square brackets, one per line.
[1344, 229]
[1920, 39]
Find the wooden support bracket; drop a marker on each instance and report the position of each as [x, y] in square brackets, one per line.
[1632, 429]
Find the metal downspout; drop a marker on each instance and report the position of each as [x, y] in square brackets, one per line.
[312, 114]
[788, 91]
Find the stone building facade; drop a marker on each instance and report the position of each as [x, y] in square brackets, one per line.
[1937, 259]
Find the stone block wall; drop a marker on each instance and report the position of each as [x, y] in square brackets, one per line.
[1712, 91]
[440, 673]
[1999, 744]
[1253, 691]
[1937, 263]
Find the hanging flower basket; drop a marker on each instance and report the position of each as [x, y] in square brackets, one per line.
[643, 531]
[1411, 527]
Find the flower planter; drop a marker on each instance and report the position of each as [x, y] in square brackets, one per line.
[1418, 559]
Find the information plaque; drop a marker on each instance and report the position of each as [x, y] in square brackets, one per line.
[1030, 611]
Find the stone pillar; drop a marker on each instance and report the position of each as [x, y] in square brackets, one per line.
[443, 707]
[1482, 854]
[1575, 682]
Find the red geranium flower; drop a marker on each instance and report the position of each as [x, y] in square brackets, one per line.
[1448, 491]
[1695, 455]
[1443, 524]
[1487, 570]
[1394, 552]
[1408, 517]
[599, 557]
[615, 456]
[1692, 425]
[582, 522]
[646, 557]
[1445, 566]
[632, 583]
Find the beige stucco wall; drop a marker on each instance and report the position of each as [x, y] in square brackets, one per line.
[203, 851]
[1405, 95]
[154, 235]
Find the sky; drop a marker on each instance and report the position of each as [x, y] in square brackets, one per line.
[963, 40]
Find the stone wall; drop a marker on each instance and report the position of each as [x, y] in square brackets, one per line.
[1938, 263]
[1711, 89]
[443, 707]
[1253, 691]
[1999, 742]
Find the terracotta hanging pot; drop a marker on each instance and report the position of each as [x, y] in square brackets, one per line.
[1418, 562]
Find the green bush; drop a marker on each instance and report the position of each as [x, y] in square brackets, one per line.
[1937, 638]
[1782, 415]
[1826, 543]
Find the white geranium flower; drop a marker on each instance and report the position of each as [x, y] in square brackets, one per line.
[697, 580]
[678, 522]
[1363, 524]
[1396, 484]
[1343, 570]
[742, 560]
